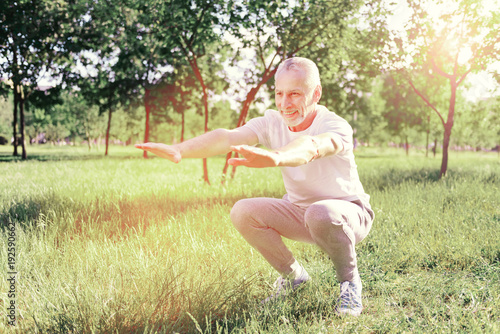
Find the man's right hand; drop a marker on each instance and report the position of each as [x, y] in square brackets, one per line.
[169, 152]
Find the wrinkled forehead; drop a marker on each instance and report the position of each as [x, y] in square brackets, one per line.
[290, 80]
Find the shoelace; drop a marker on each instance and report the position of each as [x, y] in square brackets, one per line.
[347, 292]
[282, 284]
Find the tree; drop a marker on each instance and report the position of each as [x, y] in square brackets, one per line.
[404, 111]
[157, 99]
[477, 124]
[177, 33]
[153, 49]
[175, 94]
[6, 106]
[40, 112]
[36, 39]
[463, 38]
[371, 125]
[112, 58]
[349, 63]
[76, 115]
[276, 31]
[192, 31]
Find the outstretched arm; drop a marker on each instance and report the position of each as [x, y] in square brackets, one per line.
[208, 144]
[298, 152]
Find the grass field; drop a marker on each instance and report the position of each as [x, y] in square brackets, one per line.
[127, 245]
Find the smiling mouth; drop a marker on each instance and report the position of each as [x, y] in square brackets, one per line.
[289, 112]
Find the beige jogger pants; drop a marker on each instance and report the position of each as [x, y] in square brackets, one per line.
[336, 226]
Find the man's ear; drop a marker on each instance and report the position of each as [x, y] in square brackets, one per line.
[317, 93]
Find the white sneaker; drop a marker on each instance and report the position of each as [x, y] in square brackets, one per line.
[349, 302]
[284, 286]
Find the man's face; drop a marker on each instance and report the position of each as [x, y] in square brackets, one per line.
[294, 101]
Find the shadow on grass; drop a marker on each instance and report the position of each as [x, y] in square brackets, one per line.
[5, 157]
[111, 216]
[394, 177]
[126, 213]
[65, 154]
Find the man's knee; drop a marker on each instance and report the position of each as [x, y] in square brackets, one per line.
[328, 226]
[241, 213]
[320, 216]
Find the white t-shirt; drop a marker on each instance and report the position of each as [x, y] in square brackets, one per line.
[332, 177]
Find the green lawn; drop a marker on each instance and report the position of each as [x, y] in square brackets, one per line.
[122, 244]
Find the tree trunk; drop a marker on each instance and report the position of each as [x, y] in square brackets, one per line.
[234, 167]
[147, 106]
[180, 106]
[427, 137]
[108, 130]
[21, 129]
[407, 146]
[244, 112]
[447, 129]
[446, 145]
[241, 121]
[434, 150]
[88, 140]
[14, 122]
[197, 73]
[205, 104]
[183, 122]
[226, 165]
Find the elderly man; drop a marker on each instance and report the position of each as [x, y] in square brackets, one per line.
[325, 203]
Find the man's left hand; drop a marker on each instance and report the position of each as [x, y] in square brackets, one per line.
[254, 157]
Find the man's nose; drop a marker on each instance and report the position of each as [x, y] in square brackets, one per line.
[285, 101]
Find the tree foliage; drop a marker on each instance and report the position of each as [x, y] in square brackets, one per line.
[275, 31]
[449, 40]
[187, 31]
[36, 38]
[186, 60]
[115, 69]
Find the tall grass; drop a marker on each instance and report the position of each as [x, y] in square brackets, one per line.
[122, 244]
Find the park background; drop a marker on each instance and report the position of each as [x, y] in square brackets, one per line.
[110, 240]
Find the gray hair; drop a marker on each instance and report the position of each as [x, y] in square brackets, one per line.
[296, 63]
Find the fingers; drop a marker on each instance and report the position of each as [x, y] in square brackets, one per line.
[161, 150]
[150, 147]
[238, 148]
[176, 158]
[239, 161]
[245, 149]
[246, 153]
[236, 162]
[145, 146]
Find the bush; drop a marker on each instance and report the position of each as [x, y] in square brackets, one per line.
[3, 140]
